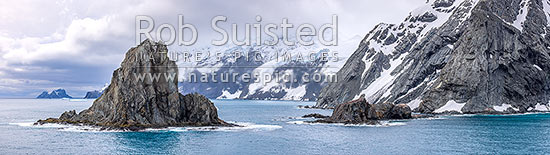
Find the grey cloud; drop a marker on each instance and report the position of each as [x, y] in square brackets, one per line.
[85, 59]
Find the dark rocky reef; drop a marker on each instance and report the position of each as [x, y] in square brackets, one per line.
[134, 103]
[315, 115]
[360, 111]
[311, 107]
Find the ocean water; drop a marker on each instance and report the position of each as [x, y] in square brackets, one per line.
[272, 127]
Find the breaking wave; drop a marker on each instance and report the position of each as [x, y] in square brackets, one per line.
[65, 127]
[243, 126]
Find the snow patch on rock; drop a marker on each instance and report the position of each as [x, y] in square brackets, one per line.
[451, 105]
[522, 16]
[504, 107]
[540, 107]
[414, 103]
[295, 93]
[227, 95]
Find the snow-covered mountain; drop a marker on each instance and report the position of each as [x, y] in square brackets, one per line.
[264, 60]
[467, 56]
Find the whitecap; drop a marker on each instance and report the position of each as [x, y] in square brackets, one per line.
[64, 127]
[243, 126]
[296, 122]
[47, 125]
[24, 124]
[74, 128]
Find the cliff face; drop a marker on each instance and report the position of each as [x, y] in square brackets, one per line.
[467, 56]
[144, 93]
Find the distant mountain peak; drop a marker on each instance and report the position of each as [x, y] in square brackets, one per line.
[96, 93]
[58, 93]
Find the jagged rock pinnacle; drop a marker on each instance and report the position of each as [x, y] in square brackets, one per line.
[134, 102]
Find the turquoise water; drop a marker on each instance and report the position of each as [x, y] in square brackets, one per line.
[271, 128]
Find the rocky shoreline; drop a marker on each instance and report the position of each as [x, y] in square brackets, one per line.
[356, 116]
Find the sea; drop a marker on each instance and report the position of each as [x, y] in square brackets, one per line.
[272, 127]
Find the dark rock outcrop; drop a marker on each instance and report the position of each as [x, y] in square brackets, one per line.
[67, 115]
[401, 111]
[427, 17]
[353, 112]
[315, 115]
[463, 56]
[380, 111]
[58, 93]
[443, 3]
[135, 99]
[360, 111]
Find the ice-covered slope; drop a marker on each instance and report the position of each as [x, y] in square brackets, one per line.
[453, 55]
[271, 63]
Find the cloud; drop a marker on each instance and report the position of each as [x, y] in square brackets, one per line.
[77, 44]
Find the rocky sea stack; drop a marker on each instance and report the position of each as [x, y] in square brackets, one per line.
[132, 102]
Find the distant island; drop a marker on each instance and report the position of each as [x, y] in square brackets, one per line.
[96, 93]
[58, 93]
[93, 94]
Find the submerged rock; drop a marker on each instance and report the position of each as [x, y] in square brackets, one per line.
[135, 100]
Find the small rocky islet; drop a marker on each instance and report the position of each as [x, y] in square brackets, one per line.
[359, 111]
[132, 104]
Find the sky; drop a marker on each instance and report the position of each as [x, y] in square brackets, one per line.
[76, 45]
